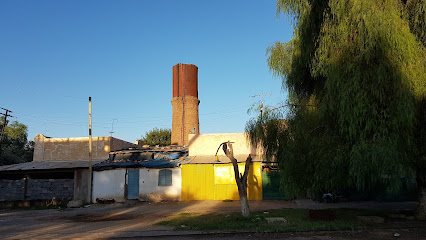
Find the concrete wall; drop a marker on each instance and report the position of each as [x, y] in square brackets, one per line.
[149, 189]
[49, 188]
[118, 144]
[69, 149]
[81, 183]
[207, 144]
[109, 184]
[12, 190]
[37, 189]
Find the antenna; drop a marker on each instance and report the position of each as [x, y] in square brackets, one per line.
[112, 126]
[261, 104]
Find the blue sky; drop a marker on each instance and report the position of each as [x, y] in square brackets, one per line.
[55, 54]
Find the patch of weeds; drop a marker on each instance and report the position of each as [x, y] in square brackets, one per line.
[228, 222]
[297, 220]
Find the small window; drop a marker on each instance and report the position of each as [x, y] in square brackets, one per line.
[165, 177]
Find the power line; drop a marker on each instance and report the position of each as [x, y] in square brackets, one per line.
[293, 105]
[41, 92]
[122, 120]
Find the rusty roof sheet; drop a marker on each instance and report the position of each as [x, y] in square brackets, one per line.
[46, 165]
[209, 159]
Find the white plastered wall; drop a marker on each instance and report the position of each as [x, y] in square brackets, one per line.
[109, 184]
[149, 189]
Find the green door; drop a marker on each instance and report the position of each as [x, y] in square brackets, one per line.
[271, 186]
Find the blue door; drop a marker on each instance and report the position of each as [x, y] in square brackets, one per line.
[133, 184]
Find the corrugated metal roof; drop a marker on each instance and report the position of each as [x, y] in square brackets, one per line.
[163, 149]
[46, 165]
[209, 159]
[167, 159]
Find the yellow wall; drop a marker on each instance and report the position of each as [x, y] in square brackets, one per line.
[197, 182]
[217, 182]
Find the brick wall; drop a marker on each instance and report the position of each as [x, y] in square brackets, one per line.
[185, 119]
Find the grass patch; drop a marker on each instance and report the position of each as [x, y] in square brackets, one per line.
[297, 220]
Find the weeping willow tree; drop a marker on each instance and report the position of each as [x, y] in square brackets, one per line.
[355, 72]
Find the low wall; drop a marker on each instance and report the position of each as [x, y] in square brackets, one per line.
[11, 190]
[37, 189]
[49, 188]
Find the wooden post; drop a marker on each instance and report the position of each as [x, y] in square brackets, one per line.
[89, 186]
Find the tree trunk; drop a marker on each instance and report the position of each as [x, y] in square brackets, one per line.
[245, 206]
[242, 190]
[241, 180]
[421, 209]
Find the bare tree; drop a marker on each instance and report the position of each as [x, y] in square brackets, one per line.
[241, 179]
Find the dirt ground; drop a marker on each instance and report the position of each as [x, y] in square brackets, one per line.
[136, 219]
[129, 219]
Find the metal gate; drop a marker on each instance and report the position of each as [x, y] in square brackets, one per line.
[133, 184]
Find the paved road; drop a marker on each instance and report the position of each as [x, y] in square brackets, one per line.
[135, 219]
[380, 234]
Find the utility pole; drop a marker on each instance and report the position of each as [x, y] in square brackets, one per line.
[4, 124]
[89, 186]
[261, 104]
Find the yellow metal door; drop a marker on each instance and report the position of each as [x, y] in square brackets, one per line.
[197, 182]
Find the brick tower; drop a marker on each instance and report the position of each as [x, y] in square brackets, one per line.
[185, 103]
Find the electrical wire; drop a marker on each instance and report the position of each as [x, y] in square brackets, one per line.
[41, 92]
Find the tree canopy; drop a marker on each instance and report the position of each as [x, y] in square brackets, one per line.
[15, 146]
[356, 75]
[158, 136]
